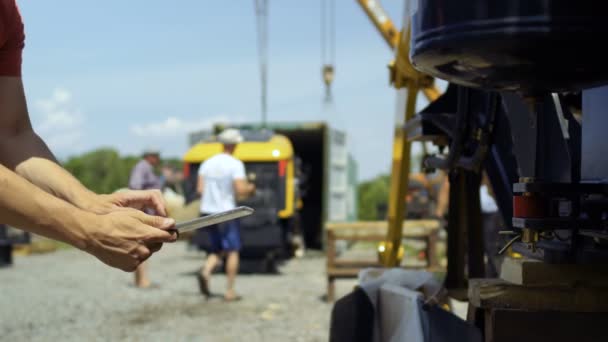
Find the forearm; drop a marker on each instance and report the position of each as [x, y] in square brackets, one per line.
[25, 206]
[22, 150]
[35, 162]
[243, 188]
[443, 199]
[200, 185]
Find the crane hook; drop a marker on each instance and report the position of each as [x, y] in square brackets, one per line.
[328, 78]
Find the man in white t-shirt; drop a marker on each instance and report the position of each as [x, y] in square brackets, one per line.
[492, 223]
[221, 179]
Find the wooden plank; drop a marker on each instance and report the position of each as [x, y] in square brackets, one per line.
[497, 293]
[331, 249]
[331, 289]
[382, 225]
[337, 272]
[359, 237]
[331, 258]
[356, 263]
[414, 233]
[353, 272]
[532, 272]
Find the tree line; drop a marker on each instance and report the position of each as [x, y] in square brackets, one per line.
[105, 170]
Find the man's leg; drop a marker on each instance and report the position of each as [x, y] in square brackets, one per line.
[232, 268]
[205, 273]
[141, 276]
[215, 242]
[232, 245]
[210, 263]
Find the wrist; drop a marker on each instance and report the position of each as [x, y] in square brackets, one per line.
[96, 204]
[84, 221]
[68, 224]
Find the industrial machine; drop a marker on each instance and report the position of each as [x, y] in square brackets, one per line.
[522, 108]
[525, 105]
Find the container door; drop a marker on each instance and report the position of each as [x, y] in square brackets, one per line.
[337, 189]
[353, 182]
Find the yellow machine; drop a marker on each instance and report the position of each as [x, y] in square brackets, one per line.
[276, 151]
[269, 163]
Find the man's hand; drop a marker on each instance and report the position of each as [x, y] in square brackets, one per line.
[126, 238]
[136, 199]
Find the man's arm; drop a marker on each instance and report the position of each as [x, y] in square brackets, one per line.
[24, 152]
[200, 185]
[443, 198]
[242, 187]
[122, 239]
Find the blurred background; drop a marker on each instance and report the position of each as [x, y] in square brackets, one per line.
[107, 80]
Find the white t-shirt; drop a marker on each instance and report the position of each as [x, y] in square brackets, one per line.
[488, 204]
[219, 173]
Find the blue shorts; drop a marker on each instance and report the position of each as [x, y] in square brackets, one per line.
[224, 237]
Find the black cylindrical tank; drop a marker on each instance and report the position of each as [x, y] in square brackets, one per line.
[529, 45]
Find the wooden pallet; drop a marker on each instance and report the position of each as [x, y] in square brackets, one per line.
[373, 231]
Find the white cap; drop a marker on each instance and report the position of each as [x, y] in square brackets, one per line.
[230, 136]
[151, 151]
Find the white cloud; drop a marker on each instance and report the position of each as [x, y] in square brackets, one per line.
[58, 121]
[176, 127]
[63, 142]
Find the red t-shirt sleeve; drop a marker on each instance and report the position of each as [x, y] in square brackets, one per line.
[12, 38]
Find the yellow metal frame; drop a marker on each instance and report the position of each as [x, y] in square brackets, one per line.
[275, 149]
[376, 13]
[288, 211]
[402, 75]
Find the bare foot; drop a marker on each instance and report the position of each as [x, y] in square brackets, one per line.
[144, 284]
[231, 296]
[203, 284]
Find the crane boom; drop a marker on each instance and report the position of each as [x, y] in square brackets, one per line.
[384, 24]
[402, 75]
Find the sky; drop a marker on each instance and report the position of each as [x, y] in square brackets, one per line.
[143, 73]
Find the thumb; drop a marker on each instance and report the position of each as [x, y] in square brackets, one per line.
[156, 235]
[165, 223]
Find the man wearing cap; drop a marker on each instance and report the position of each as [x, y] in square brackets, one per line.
[143, 178]
[38, 195]
[221, 179]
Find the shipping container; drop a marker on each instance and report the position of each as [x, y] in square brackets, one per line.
[327, 177]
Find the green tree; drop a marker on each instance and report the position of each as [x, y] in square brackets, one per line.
[372, 194]
[105, 170]
[102, 170]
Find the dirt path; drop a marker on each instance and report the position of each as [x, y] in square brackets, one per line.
[70, 296]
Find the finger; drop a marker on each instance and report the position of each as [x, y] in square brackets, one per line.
[139, 199]
[160, 222]
[154, 247]
[130, 267]
[158, 202]
[141, 253]
[144, 253]
[151, 199]
[156, 235]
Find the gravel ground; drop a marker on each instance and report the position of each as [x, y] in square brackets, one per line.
[70, 296]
